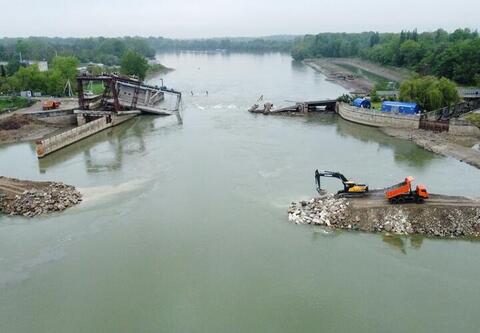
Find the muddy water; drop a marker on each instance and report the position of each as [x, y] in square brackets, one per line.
[184, 226]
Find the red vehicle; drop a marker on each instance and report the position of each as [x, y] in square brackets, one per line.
[51, 105]
[403, 193]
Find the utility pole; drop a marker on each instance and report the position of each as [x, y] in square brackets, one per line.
[69, 87]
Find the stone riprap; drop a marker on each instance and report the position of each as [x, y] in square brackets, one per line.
[441, 220]
[39, 199]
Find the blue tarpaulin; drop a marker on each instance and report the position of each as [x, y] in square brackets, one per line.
[401, 107]
[362, 103]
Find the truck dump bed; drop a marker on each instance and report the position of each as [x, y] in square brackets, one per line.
[399, 189]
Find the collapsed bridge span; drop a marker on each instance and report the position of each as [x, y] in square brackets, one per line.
[122, 99]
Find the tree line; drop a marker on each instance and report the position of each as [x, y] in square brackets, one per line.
[455, 55]
[64, 69]
[127, 55]
[264, 44]
[108, 51]
[52, 82]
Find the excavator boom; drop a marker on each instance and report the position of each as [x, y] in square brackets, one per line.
[350, 188]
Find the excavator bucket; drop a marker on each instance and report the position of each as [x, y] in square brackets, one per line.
[317, 181]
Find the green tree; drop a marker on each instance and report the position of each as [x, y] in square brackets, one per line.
[411, 52]
[94, 69]
[62, 70]
[3, 53]
[52, 81]
[134, 64]
[13, 66]
[55, 83]
[28, 78]
[477, 80]
[67, 66]
[455, 56]
[429, 92]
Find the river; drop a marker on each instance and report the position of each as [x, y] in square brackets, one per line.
[184, 226]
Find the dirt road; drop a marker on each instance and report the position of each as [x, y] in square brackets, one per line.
[377, 199]
[395, 74]
[21, 125]
[19, 128]
[67, 103]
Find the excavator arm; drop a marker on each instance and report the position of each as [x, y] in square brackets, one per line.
[331, 174]
[349, 187]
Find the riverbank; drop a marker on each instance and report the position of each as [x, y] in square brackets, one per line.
[32, 123]
[30, 198]
[459, 142]
[461, 148]
[440, 216]
[359, 76]
[10, 104]
[21, 128]
[154, 69]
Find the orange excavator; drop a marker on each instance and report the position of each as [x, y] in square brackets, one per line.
[403, 193]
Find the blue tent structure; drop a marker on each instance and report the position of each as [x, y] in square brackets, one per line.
[362, 103]
[400, 107]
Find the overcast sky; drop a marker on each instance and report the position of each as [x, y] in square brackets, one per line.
[220, 18]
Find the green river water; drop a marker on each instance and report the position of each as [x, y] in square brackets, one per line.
[184, 226]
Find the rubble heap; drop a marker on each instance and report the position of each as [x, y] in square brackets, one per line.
[431, 220]
[53, 197]
[324, 210]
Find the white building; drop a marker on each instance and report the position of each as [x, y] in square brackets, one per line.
[42, 65]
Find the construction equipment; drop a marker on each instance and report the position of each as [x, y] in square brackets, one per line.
[350, 188]
[402, 192]
[50, 105]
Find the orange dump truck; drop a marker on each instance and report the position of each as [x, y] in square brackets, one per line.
[402, 193]
[50, 105]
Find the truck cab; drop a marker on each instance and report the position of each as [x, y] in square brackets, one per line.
[421, 191]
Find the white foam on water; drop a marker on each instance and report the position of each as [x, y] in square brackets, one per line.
[99, 193]
[270, 173]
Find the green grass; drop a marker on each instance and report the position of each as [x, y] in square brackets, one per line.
[97, 88]
[474, 118]
[377, 105]
[13, 103]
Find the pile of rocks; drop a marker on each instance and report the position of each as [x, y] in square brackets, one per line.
[448, 222]
[324, 210]
[53, 197]
[395, 221]
[437, 221]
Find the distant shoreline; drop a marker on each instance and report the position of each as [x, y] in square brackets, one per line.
[158, 68]
[341, 72]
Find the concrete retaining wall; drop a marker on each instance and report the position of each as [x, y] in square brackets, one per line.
[56, 117]
[59, 141]
[463, 127]
[61, 120]
[50, 113]
[377, 118]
